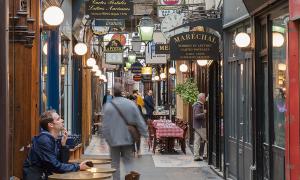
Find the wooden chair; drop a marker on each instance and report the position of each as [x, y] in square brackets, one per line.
[181, 141]
[151, 131]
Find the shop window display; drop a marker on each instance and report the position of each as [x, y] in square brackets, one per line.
[279, 58]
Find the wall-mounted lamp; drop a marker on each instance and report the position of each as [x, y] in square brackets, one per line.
[53, 16]
[136, 42]
[131, 56]
[183, 68]
[242, 40]
[202, 62]
[281, 67]
[146, 29]
[128, 65]
[172, 70]
[278, 39]
[62, 71]
[80, 49]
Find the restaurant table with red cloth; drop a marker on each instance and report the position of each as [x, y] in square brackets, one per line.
[161, 121]
[165, 134]
[167, 130]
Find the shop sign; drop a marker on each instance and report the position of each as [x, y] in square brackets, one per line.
[137, 77]
[194, 46]
[136, 68]
[294, 9]
[146, 70]
[109, 9]
[150, 55]
[170, 2]
[162, 49]
[114, 46]
[114, 58]
[163, 11]
[113, 23]
[146, 77]
[120, 37]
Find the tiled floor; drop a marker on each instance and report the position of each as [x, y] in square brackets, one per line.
[158, 166]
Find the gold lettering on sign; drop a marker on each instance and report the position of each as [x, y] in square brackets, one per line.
[193, 36]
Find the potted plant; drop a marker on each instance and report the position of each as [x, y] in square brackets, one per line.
[188, 91]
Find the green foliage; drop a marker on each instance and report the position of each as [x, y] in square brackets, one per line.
[188, 91]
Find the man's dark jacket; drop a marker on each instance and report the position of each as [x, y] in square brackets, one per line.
[199, 117]
[47, 155]
[149, 104]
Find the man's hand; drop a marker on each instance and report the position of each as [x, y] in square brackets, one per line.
[204, 111]
[83, 166]
[64, 137]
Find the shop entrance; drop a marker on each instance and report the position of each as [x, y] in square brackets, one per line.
[270, 82]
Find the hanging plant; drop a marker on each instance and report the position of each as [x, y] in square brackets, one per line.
[188, 91]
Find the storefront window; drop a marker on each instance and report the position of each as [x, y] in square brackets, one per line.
[44, 71]
[279, 57]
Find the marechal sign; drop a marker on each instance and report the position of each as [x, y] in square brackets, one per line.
[194, 46]
[109, 9]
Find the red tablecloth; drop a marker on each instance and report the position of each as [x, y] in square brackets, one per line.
[168, 130]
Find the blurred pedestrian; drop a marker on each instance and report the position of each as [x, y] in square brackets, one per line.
[199, 125]
[136, 145]
[107, 97]
[139, 99]
[46, 156]
[119, 115]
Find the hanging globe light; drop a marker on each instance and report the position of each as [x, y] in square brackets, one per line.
[98, 73]
[172, 70]
[156, 78]
[277, 39]
[242, 39]
[202, 62]
[91, 62]
[163, 76]
[102, 77]
[80, 49]
[45, 49]
[183, 68]
[95, 68]
[53, 16]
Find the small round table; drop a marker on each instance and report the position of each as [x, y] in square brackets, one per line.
[80, 175]
[94, 161]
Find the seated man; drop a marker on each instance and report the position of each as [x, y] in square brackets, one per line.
[45, 155]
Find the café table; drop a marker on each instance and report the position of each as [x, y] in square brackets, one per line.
[80, 175]
[94, 161]
[101, 170]
[167, 131]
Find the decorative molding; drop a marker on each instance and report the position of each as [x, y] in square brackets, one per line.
[21, 25]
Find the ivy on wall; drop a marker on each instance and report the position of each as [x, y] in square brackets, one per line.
[188, 91]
